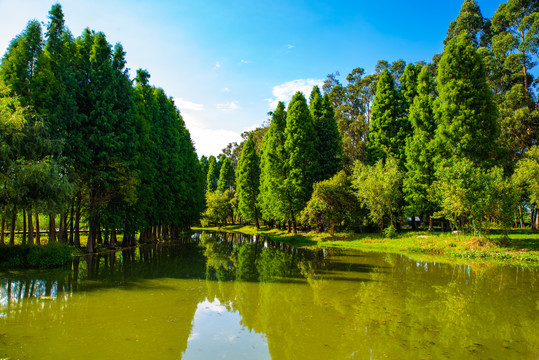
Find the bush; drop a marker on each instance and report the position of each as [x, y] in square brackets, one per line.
[50, 255]
[24, 256]
[390, 232]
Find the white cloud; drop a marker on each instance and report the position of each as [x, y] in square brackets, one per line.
[217, 65]
[225, 90]
[243, 61]
[284, 92]
[208, 141]
[229, 106]
[183, 105]
[289, 46]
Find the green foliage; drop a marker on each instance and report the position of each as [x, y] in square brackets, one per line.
[226, 176]
[36, 256]
[213, 175]
[332, 202]
[465, 191]
[272, 198]
[527, 175]
[390, 232]
[419, 152]
[218, 208]
[470, 22]
[50, 255]
[301, 163]
[378, 188]
[248, 181]
[328, 144]
[465, 110]
[387, 132]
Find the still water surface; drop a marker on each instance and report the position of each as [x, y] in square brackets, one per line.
[217, 296]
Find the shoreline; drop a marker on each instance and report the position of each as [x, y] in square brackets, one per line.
[520, 248]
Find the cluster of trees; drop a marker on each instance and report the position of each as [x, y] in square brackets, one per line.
[81, 142]
[454, 139]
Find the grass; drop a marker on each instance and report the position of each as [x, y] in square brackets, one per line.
[518, 247]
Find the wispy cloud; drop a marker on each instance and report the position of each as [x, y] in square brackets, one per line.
[217, 65]
[243, 61]
[290, 46]
[232, 105]
[225, 90]
[183, 104]
[284, 92]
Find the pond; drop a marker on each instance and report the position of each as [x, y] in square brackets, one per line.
[232, 296]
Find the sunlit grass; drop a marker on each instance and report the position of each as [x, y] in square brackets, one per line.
[518, 246]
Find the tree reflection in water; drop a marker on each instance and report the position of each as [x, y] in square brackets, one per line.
[320, 304]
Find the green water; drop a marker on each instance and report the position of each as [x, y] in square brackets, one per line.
[231, 296]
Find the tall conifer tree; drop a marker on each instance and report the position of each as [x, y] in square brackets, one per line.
[302, 163]
[248, 181]
[385, 128]
[419, 154]
[272, 166]
[328, 138]
[465, 110]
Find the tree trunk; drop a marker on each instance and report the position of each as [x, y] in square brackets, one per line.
[62, 229]
[294, 224]
[2, 233]
[289, 227]
[38, 232]
[72, 223]
[23, 226]
[113, 238]
[257, 223]
[30, 229]
[76, 240]
[537, 219]
[90, 248]
[521, 217]
[52, 229]
[414, 225]
[431, 223]
[13, 220]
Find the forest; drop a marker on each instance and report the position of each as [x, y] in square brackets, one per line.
[451, 143]
[84, 146]
[88, 153]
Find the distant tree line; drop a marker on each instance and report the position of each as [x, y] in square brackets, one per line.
[452, 141]
[82, 143]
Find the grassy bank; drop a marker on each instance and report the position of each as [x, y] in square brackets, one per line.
[519, 247]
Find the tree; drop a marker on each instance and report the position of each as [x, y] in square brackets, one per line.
[386, 132]
[332, 202]
[218, 208]
[378, 187]
[527, 176]
[327, 134]
[469, 21]
[248, 182]
[465, 111]
[465, 191]
[21, 61]
[352, 105]
[517, 25]
[419, 153]
[301, 163]
[226, 175]
[272, 198]
[213, 175]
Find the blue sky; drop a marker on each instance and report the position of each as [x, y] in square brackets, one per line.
[226, 63]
